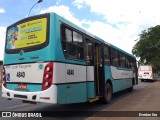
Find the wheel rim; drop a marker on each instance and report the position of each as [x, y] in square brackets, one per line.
[108, 94]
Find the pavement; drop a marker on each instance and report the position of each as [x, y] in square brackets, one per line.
[144, 98]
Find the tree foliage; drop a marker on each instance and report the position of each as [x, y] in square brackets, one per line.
[1, 62]
[148, 47]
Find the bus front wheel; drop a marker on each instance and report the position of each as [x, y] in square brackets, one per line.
[108, 93]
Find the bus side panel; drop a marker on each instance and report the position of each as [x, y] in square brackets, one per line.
[122, 78]
[72, 93]
[90, 82]
[76, 93]
[71, 82]
[126, 83]
[76, 89]
[58, 54]
[56, 38]
[108, 76]
[71, 79]
[61, 94]
[90, 89]
[116, 84]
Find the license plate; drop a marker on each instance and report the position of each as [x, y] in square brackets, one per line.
[22, 86]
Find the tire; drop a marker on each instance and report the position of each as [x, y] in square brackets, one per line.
[131, 88]
[107, 93]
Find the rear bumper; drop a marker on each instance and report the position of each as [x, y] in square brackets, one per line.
[147, 78]
[46, 96]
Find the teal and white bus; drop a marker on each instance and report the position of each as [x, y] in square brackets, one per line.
[49, 59]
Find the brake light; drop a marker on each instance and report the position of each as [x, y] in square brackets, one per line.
[4, 77]
[47, 76]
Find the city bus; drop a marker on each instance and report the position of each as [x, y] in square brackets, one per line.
[49, 59]
[147, 73]
[1, 72]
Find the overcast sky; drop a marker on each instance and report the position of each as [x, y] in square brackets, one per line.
[118, 22]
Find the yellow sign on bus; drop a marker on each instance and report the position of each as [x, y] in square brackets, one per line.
[27, 34]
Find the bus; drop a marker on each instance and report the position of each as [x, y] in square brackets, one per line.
[147, 73]
[49, 59]
[1, 72]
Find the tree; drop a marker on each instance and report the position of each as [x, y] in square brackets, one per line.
[148, 47]
[1, 62]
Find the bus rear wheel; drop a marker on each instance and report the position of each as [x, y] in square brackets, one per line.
[108, 93]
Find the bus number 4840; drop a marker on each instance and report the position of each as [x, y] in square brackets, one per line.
[21, 74]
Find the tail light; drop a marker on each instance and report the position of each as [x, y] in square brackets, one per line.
[47, 76]
[4, 77]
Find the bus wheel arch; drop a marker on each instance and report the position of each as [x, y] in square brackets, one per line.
[110, 82]
[108, 92]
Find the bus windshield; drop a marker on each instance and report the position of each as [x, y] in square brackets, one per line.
[26, 34]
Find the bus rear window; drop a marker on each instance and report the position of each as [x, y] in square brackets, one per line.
[145, 68]
[26, 34]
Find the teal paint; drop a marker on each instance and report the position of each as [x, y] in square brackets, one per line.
[61, 94]
[55, 36]
[118, 84]
[127, 83]
[121, 84]
[72, 93]
[108, 74]
[90, 90]
[30, 87]
[40, 66]
[76, 93]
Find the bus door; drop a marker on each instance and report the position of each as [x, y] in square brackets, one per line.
[95, 68]
[89, 53]
[99, 69]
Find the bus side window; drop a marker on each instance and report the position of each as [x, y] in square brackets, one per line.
[89, 52]
[107, 55]
[72, 43]
[128, 62]
[115, 58]
[122, 59]
[99, 50]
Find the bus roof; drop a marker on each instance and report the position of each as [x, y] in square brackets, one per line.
[91, 35]
[62, 19]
